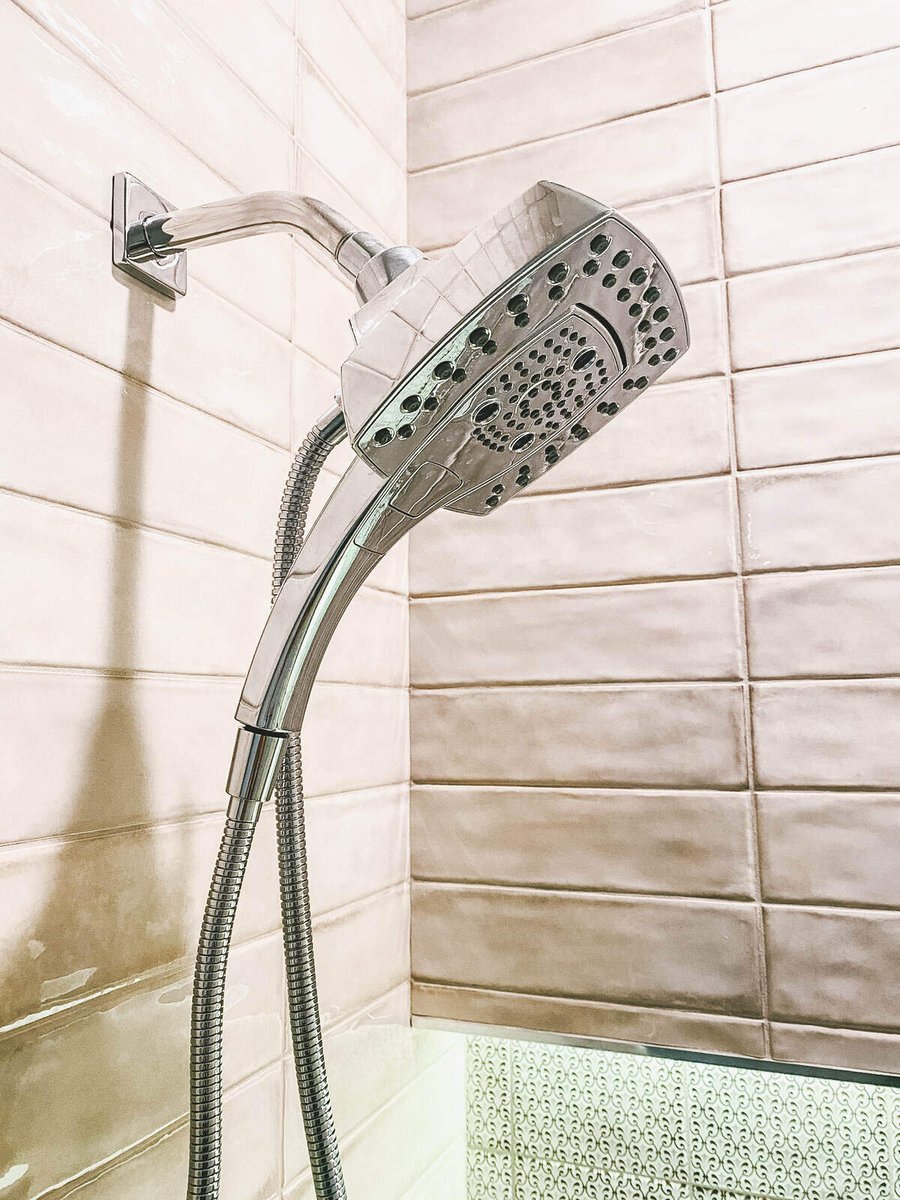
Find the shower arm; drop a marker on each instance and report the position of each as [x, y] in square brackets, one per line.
[150, 237]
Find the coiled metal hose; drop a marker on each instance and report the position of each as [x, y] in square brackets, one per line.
[296, 915]
[207, 1015]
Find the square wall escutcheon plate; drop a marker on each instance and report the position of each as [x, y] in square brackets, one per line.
[133, 202]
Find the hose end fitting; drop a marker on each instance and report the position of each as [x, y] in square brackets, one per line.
[254, 769]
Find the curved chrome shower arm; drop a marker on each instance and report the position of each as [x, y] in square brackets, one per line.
[150, 236]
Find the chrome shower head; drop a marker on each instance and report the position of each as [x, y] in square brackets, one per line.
[500, 359]
[472, 376]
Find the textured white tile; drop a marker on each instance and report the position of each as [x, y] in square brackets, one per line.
[323, 306]
[821, 516]
[88, 132]
[340, 51]
[472, 39]
[348, 151]
[384, 27]
[355, 737]
[609, 162]
[748, 48]
[826, 966]
[371, 829]
[125, 751]
[708, 353]
[657, 531]
[825, 623]
[653, 736]
[83, 914]
[840, 408]
[685, 230]
[362, 952]
[146, 54]
[487, 113]
[250, 38]
[669, 953]
[811, 116]
[691, 844]
[44, 1072]
[821, 310]
[205, 352]
[83, 592]
[674, 431]
[652, 631]
[827, 734]
[795, 216]
[80, 434]
[837, 848]
[371, 643]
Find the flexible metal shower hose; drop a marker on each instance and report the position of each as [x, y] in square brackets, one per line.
[207, 1016]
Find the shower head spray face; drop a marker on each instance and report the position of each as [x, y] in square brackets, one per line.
[497, 361]
[472, 376]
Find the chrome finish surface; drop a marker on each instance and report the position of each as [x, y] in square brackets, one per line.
[132, 203]
[150, 237]
[255, 763]
[383, 268]
[517, 345]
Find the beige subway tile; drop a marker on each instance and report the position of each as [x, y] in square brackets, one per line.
[314, 180]
[591, 1018]
[384, 28]
[125, 751]
[82, 915]
[251, 1122]
[842, 513]
[362, 952]
[371, 643]
[369, 1066]
[685, 229]
[609, 162]
[838, 848]
[371, 829]
[810, 116]
[249, 37]
[158, 65]
[205, 352]
[691, 844]
[656, 531]
[746, 49]
[315, 389]
[848, 1048]
[418, 1125]
[88, 132]
[467, 41]
[323, 306]
[392, 572]
[490, 112]
[827, 734]
[708, 353]
[79, 1091]
[445, 1179]
[833, 966]
[637, 736]
[674, 431]
[825, 623]
[820, 310]
[355, 737]
[340, 50]
[83, 592]
[115, 447]
[683, 630]
[339, 141]
[689, 954]
[803, 413]
[796, 216]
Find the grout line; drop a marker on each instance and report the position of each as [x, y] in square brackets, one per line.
[399, 79]
[755, 846]
[541, 142]
[808, 70]
[508, 68]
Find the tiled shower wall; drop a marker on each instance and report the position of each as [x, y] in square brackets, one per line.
[143, 452]
[656, 705]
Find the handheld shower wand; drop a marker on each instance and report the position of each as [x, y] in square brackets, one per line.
[472, 376]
